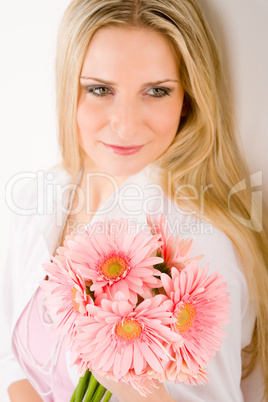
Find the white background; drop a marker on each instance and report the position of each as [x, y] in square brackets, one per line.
[27, 103]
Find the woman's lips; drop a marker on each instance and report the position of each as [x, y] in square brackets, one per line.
[123, 150]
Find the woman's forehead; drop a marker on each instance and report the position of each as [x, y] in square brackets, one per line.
[143, 52]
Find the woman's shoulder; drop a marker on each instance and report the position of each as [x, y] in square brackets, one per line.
[28, 192]
[208, 240]
[36, 208]
[34, 197]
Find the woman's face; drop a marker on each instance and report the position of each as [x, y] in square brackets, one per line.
[131, 99]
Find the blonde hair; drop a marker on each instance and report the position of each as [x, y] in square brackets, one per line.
[203, 153]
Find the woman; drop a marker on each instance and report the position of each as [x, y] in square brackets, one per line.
[144, 127]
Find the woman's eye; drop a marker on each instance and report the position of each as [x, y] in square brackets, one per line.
[103, 91]
[158, 92]
[99, 91]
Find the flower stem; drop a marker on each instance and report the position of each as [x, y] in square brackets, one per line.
[107, 397]
[73, 396]
[100, 391]
[82, 386]
[93, 383]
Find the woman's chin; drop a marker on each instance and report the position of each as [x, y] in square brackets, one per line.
[123, 170]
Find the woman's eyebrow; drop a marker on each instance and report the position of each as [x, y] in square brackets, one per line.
[159, 82]
[114, 84]
[98, 79]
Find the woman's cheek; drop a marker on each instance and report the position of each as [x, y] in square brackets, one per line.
[90, 118]
[163, 124]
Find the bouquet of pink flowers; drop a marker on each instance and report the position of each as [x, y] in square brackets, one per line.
[134, 307]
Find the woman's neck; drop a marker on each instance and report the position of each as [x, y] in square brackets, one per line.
[98, 187]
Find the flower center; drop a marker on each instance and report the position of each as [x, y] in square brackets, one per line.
[73, 296]
[114, 268]
[185, 317]
[128, 329]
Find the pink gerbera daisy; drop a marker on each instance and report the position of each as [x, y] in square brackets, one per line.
[200, 307]
[118, 340]
[142, 383]
[115, 259]
[175, 252]
[184, 375]
[66, 295]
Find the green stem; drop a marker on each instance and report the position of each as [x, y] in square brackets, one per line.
[100, 391]
[82, 386]
[107, 397]
[93, 383]
[73, 396]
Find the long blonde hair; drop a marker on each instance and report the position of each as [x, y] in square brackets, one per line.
[204, 153]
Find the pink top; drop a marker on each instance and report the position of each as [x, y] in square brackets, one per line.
[45, 366]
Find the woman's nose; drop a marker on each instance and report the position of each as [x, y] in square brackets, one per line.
[125, 118]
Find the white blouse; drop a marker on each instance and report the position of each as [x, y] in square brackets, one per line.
[39, 215]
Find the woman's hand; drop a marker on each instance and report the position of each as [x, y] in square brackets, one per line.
[22, 391]
[126, 393]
